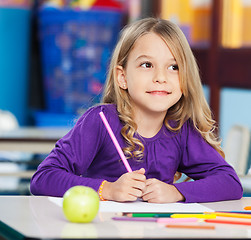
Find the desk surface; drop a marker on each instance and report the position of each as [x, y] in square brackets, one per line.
[39, 218]
[34, 133]
[31, 139]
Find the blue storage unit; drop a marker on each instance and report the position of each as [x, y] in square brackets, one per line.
[76, 47]
[48, 119]
[14, 61]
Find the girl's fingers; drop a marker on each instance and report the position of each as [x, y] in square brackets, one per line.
[141, 171]
[138, 176]
[148, 190]
[131, 198]
[129, 186]
[151, 191]
[135, 192]
[149, 196]
[149, 185]
[151, 181]
[139, 185]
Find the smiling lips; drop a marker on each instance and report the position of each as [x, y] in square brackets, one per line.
[159, 93]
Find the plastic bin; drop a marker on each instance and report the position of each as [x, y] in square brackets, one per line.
[14, 61]
[76, 48]
[47, 119]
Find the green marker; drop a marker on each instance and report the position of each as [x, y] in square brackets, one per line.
[157, 215]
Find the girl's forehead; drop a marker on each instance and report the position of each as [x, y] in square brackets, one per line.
[149, 35]
[150, 42]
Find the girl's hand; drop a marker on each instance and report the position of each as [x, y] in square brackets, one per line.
[160, 192]
[127, 188]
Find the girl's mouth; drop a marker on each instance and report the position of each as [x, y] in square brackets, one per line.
[159, 93]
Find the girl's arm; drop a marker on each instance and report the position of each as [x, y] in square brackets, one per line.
[87, 150]
[71, 157]
[214, 178]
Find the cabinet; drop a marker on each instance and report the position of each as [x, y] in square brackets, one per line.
[221, 67]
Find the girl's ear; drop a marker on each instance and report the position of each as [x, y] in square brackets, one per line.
[121, 79]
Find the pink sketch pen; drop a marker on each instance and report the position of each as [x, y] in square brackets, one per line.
[115, 142]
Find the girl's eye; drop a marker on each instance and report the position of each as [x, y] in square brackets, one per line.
[174, 67]
[146, 65]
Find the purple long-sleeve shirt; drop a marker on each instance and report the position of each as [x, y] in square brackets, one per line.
[86, 156]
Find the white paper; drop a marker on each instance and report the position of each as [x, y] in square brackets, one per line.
[139, 206]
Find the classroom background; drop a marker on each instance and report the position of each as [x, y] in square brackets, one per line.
[54, 56]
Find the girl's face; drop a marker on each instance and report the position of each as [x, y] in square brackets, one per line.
[151, 76]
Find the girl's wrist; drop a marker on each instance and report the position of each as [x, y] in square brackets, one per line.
[179, 195]
[104, 191]
[101, 191]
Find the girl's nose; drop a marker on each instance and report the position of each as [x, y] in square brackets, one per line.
[160, 76]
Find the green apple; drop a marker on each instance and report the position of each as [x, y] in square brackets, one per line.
[80, 204]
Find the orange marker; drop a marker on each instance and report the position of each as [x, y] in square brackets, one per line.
[233, 215]
[227, 221]
[247, 208]
[191, 226]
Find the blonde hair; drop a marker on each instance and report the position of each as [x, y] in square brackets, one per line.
[192, 105]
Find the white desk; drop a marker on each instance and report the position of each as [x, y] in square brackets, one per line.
[25, 217]
[31, 139]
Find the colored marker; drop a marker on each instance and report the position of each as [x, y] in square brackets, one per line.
[158, 220]
[247, 208]
[142, 219]
[241, 212]
[176, 220]
[204, 216]
[156, 215]
[191, 226]
[234, 215]
[227, 221]
[115, 142]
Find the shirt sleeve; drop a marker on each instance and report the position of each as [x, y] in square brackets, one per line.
[214, 179]
[71, 157]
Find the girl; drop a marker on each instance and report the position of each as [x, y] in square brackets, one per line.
[154, 102]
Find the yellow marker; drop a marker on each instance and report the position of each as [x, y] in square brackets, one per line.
[190, 215]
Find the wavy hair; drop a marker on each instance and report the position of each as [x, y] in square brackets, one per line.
[192, 105]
